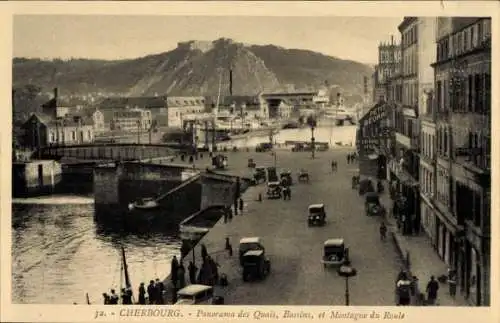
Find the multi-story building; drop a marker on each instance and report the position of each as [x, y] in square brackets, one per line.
[426, 54]
[42, 131]
[131, 120]
[166, 111]
[463, 104]
[404, 166]
[157, 106]
[389, 56]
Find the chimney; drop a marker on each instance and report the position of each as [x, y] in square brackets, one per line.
[231, 82]
[392, 39]
[55, 93]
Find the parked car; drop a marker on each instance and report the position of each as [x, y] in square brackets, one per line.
[263, 147]
[255, 265]
[259, 174]
[274, 190]
[197, 294]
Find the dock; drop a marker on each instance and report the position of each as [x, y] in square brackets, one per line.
[297, 275]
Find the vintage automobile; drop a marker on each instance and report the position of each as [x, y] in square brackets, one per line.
[373, 205]
[317, 215]
[251, 163]
[249, 243]
[286, 177]
[263, 147]
[255, 265]
[274, 190]
[300, 146]
[335, 252]
[303, 176]
[197, 294]
[259, 174]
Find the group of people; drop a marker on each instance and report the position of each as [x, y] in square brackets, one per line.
[228, 212]
[351, 157]
[407, 290]
[155, 291]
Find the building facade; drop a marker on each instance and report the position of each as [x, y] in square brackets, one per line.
[177, 106]
[131, 120]
[389, 57]
[42, 131]
[463, 104]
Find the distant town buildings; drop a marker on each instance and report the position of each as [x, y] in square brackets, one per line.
[134, 120]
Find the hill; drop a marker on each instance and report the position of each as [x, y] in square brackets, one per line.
[195, 68]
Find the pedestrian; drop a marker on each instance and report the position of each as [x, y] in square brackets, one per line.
[289, 192]
[106, 299]
[228, 247]
[204, 253]
[260, 197]
[403, 287]
[173, 270]
[432, 290]
[241, 205]
[348, 158]
[160, 289]
[225, 216]
[383, 231]
[229, 213]
[127, 298]
[192, 272]
[152, 292]
[452, 282]
[113, 298]
[142, 294]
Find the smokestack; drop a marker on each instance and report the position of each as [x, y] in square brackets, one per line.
[55, 93]
[392, 39]
[231, 82]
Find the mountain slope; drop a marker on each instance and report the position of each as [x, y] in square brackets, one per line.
[194, 68]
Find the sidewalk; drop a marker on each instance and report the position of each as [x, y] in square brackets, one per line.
[424, 260]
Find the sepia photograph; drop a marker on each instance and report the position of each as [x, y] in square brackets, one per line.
[250, 160]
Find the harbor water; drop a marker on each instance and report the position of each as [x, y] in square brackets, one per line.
[59, 253]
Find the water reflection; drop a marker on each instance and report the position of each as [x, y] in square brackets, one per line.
[59, 254]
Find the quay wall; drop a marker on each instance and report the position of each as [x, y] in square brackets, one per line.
[35, 177]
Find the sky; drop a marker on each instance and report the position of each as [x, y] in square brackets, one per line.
[117, 37]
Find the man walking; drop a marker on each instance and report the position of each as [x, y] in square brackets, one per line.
[432, 290]
[452, 282]
[383, 231]
[241, 205]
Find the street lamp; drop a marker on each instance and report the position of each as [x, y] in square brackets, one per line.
[138, 131]
[347, 271]
[311, 122]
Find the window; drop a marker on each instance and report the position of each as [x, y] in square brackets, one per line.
[470, 93]
[73, 135]
[487, 94]
[52, 137]
[478, 93]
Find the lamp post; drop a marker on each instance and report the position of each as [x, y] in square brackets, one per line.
[311, 122]
[138, 131]
[347, 271]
